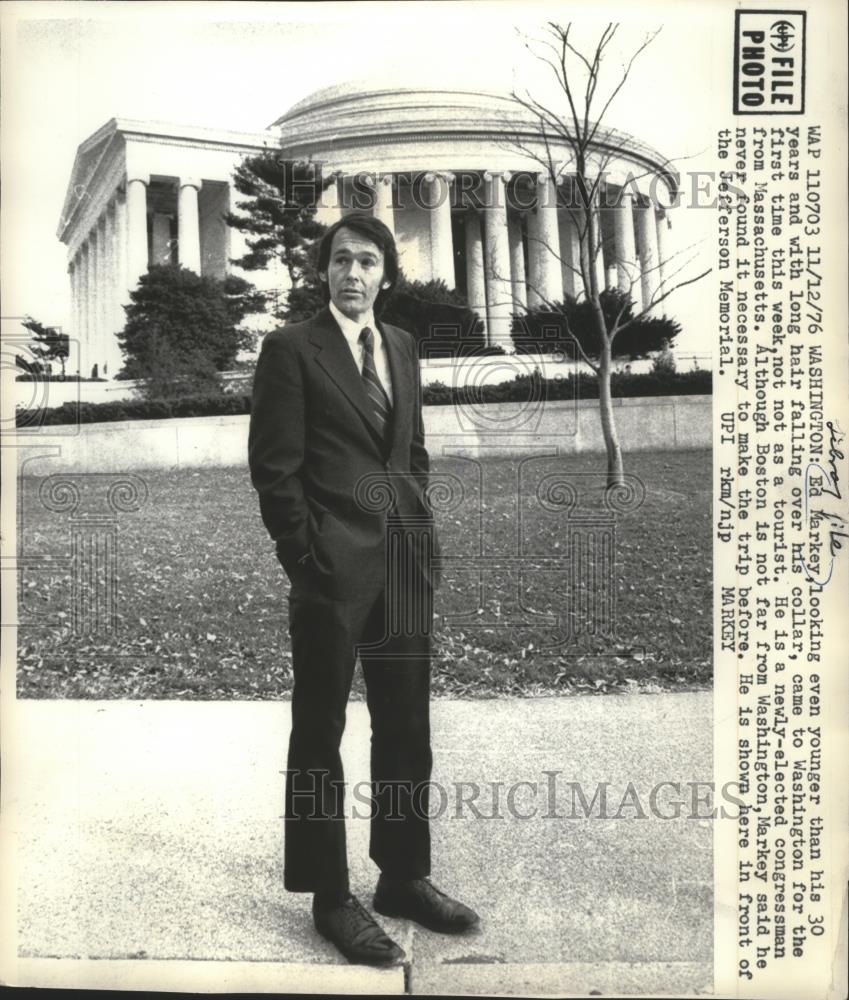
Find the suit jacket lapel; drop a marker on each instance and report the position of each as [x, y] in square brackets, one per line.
[399, 370]
[334, 357]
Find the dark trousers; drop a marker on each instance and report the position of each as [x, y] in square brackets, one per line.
[391, 632]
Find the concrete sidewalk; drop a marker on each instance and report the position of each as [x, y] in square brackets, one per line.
[149, 846]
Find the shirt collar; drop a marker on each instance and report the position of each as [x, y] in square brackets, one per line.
[352, 328]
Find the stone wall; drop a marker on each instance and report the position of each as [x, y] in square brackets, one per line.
[644, 424]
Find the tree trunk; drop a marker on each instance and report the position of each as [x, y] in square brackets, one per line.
[615, 470]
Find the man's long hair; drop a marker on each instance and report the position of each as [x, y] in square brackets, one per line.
[371, 229]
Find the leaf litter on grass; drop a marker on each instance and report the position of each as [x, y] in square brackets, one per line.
[201, 608]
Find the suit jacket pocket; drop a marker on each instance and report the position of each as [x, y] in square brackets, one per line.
[349, 557]
[331, 544]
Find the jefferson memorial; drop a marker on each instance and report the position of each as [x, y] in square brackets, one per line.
[457, 175]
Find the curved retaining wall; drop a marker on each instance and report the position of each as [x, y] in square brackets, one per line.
[644, 424]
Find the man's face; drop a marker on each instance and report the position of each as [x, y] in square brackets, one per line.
[354, 273]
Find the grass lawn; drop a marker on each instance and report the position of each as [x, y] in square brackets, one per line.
[202, 610]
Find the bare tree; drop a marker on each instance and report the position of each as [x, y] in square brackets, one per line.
[575, 126]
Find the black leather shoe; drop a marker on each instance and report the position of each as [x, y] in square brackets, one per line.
[356, 933]
[420, 900]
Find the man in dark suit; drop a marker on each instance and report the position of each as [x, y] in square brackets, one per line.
[337, 456]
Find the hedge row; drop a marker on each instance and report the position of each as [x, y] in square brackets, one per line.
[519, 389]
[580, 386]
[218, 404]
[41, 377]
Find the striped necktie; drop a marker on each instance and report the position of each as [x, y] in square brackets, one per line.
[374, 387]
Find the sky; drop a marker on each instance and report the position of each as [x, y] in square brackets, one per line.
[69, 67]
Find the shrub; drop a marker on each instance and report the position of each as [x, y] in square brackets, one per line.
[182, 330]
[541, 331]
[438, 318]
[664, 363]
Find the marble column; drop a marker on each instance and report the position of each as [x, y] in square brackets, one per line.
[103, 317]
[623, 230]
[109, 290]
[72, 361]
[161, 250]
[545, 278]
[123, 297]
[114, 356]
[383, 208]
[475, 278]
[662, 247]
[570, 251]
[647, 248]
[592, 253]
[517, 263]
[329, 208]
[93, 302]
[82, 329]
[188, 234]
[94, 294]
[497, 262]
[601, 277]
[136, 229]
[441, 236]
[80, 316]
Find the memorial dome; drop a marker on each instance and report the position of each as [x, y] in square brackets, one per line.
[352, 127]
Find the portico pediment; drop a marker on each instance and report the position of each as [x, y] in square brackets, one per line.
[91, 155]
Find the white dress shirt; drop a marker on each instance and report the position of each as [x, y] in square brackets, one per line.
[351, 330]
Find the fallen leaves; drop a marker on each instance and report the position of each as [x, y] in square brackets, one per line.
[201, 608]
